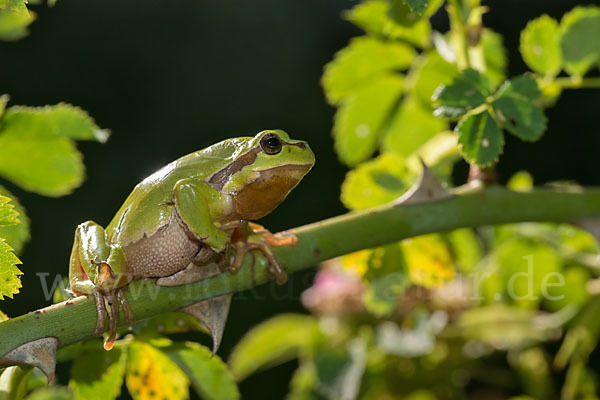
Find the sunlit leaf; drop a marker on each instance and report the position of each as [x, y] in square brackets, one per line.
[18, 234]
[362, 60]
[480, 138]
[428, 73]
[98, 374]
[36, 147]
[360, 119]
[467, 91]
[385, 280]
[3, 317]
[51, 393]
[209, 375]
[339, 372]
[580, 46]
[60, 120]
[429, 260]
[417, 6]
[439, 153]
[411, 126]
[494, 55]
[514, 105]
[273, 342]
[540, 46]
[374, 17]
[8, 214]
[152, 375]
[376, 182]
[9, 273]
[14, 19]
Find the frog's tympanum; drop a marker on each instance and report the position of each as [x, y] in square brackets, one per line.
[184, 216]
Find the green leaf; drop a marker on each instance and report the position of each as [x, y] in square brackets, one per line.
[61, 120]
[16, 235]
[385, 280]
[515, 108]
[14, 19]
[209, 375]
[9, 273]
[480, 138]
[466, 248]
[571, 291]
[362, 60]
[467, 91]
[412, 125]
[167, 324]
[429, 72]
[36, 147]
[359, 121]
[273, 342]
[580, 46]
[521, 180]
[51, 393]
[376, 182]
[429, 260]
[540, 46]
[417, 6]
[3, 317]
[494, 56]
[98, 374]
[339, 372]
[8, 214]
[302, 385]
[151, 374]
[374, 17]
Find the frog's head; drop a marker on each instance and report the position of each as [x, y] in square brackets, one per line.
[270, 166]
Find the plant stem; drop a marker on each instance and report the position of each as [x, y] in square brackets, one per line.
[73, 321]
[578, 83]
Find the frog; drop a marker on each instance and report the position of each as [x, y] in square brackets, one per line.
[194, 212]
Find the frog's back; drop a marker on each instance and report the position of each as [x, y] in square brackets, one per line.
[149, 206]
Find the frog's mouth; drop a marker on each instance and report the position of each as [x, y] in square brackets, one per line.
[272, 186]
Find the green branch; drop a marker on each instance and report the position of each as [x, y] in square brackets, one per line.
[74, 321]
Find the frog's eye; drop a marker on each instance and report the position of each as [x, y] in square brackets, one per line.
[271, 144]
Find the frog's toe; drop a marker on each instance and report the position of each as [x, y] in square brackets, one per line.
[101, 310]
[112, 305]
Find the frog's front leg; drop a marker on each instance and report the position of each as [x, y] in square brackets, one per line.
[254, 236]
[196, 203]
[100, 269]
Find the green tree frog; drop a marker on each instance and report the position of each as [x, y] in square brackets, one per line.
[186, 213]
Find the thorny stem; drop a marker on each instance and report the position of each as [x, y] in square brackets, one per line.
[75, 320]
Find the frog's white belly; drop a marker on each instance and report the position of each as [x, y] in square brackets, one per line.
[165, 252]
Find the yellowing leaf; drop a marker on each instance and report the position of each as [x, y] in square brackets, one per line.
[362, 60]
[359, 121]
[376, 182]
[357, 262]
[273, 342]
[385, 280]
[9, 273]
[429, 260]
[152, 375]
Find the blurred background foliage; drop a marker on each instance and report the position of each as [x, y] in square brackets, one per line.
[465, 314]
